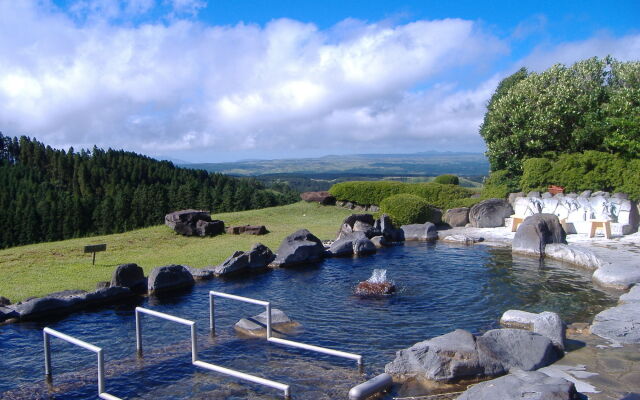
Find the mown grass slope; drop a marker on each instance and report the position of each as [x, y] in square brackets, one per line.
[43, 268]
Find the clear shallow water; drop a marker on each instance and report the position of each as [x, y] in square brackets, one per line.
[440, 288]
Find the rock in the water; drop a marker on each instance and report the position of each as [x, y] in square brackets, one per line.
[355, 243]
[363, 247]
[490, 213]
[248, 230]
[67, 301]
[457, 216]
[193, 222]
[169, 278]
[426, 231]
[324, 198]
[620, 324]
[460, 355]
[260, 256]
[257, 325]
[366, 288]
[535, 232]
[546, 323]
[462, 239]
[379, 241]
[234, 264]
[301, 247]
[200, 274]
[520, 384]
[573, 254]
[130, 276]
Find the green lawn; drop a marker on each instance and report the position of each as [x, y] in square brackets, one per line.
[43, 268]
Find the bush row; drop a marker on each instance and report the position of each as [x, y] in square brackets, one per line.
[367, 192]
[591, 170]
[407, 209]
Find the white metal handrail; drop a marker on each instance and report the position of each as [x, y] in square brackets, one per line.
[47, 332]
[194, 352]
[192, 324]
[270, 338]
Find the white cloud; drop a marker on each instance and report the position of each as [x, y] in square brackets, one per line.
[184, 86]
[625, 48]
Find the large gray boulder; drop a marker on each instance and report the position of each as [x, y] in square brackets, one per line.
[301, 247]
[260, 256]
[168, 278]
[67, 301]
[344, 247]
[426, 231]
[385, 226]
[490, 213]
[530, 385]
[517, 348]
[236, 263]
[455, 217]
[620, 324]
[7, 314]
[363, 247]
[130, 276]
[546, 323]
[193, 222]
[535, 232]
[359, 223]
[461, 355]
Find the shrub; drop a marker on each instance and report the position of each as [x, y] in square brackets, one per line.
[591, 170]
[447, 179]
[368, 192]
[407, 209]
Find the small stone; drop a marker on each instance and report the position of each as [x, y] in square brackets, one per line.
[257, 325]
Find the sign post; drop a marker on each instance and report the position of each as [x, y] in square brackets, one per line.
[94, 248]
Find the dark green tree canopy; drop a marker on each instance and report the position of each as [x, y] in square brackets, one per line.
[48, 194]
[592, 105]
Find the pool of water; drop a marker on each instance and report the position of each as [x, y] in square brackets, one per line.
[440, 288]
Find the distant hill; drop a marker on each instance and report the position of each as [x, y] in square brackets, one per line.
[308, 174]
[416, 164]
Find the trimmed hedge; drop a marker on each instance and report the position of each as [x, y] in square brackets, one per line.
[447, 179]
[591, 170]
[373, 192]
[407, 209]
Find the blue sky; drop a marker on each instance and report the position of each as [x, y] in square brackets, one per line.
[209, 81]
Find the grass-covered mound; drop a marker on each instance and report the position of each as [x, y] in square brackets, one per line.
[38, 269]
[407, 209]
[442, 196]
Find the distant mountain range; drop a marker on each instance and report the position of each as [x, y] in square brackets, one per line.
[416, 164]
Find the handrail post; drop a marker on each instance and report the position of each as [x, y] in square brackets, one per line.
[194, 344]
[47, 356]
[100, 372]
[138, 334]
[268, 320]
[212, 322]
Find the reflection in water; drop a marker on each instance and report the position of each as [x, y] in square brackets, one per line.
[439, 288]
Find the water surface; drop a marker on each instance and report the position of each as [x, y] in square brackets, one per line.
[440, 288]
